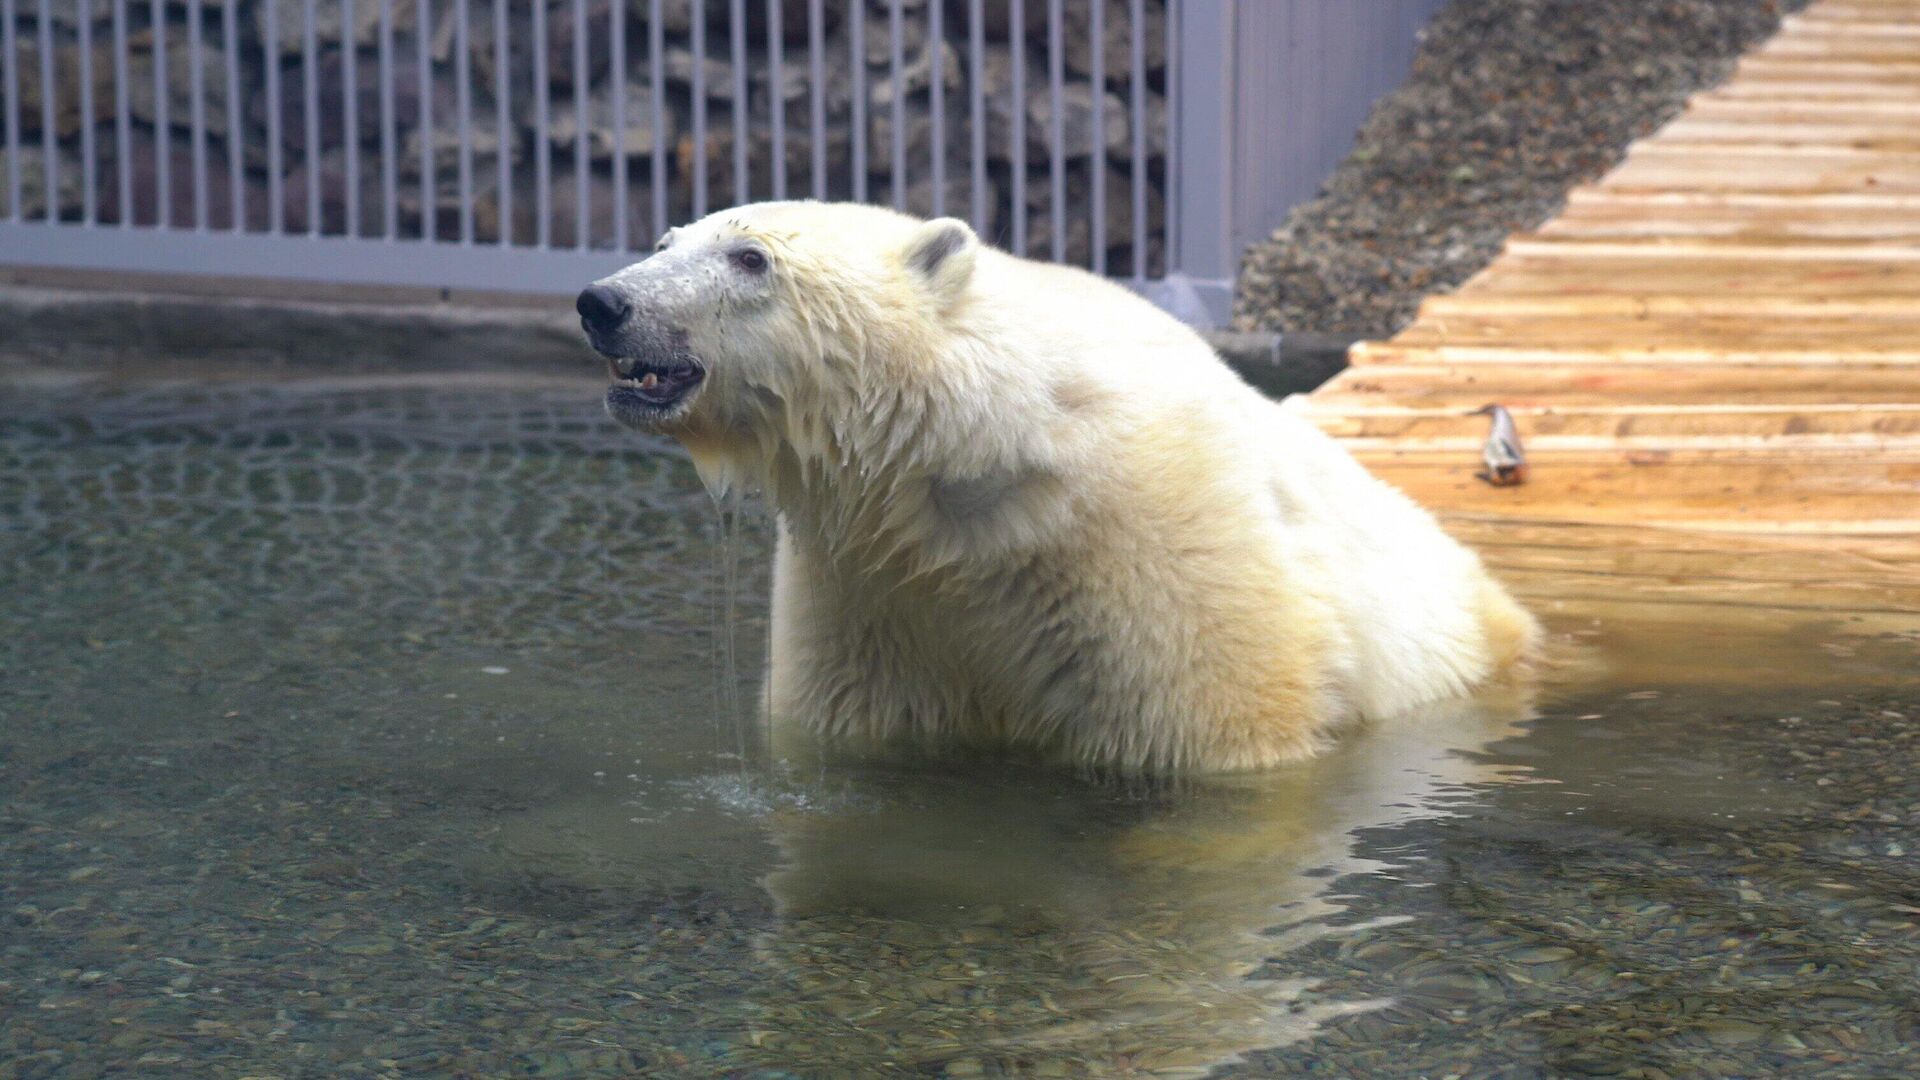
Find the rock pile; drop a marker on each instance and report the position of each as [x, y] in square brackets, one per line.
[1510, 104]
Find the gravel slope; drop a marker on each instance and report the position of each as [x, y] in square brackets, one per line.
[1509, 104]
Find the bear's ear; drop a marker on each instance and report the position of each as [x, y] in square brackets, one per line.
[941, 255]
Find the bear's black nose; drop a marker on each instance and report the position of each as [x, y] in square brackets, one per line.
[601, 309]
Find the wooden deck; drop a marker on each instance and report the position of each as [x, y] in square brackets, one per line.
[1713, 354]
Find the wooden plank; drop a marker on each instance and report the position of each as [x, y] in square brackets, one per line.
[1803, 79]
[1756, 362]
[1617, 221]
[1893, 204]
[1843, 45]
[1873, 558]
[1697, 584]
[1899, 132]
[1875, 10]
[1468, 386]
[1633, 277]
[1877, 249]
[1687, 450]
[1823, 16]
[1641, 425]
[1756, 69]
[1816, 23]
[1713, 105]
[1827, 7]
[1892, 306]
[1701, 447]
[1812, 88]
[1732, 225]
[1660, 165]
[1826, 12]
[1674, 489]
[1725, 334]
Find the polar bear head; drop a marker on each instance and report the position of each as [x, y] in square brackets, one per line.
[777, 325]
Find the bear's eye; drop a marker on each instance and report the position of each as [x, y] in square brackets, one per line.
[750, 260]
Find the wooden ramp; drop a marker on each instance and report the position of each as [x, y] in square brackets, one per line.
[1713, 354]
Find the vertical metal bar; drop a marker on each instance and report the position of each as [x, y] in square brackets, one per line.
[1349, 57]
[1137, 85]
[162, 160]
[1308, 54]
[699, 108]
[657, 68]
[1097, 223]
[49, 140]
[503, 120]
[1346, 68]
[1316, 34]
[617, 17]
[896, 68]
[389, 165]
[777, 99]
[463, 97]
[1175, 210]
[936, 41]
[89, 167]
[542, 149]
[422, 44]
[197, 113]
[350, 112]
[1017, 31]
[122, 112]
[737, 33]
[582, 128]
[12, 89]
[1388, 40]
[310, 79]
[276, 203]
[977, 61]
[857, 15]
[817, 94]
[236, 134]
[1057, 128]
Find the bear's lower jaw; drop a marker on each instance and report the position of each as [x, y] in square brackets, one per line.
[649, 396]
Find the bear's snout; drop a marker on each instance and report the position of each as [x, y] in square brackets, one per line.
[601, 309]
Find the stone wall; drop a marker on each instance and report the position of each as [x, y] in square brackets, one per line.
[168, 46]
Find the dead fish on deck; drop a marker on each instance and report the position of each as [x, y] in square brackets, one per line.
[1506, 462]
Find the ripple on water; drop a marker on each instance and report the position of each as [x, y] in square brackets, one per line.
[268, 812]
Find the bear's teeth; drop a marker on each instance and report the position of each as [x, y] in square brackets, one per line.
[649, 381]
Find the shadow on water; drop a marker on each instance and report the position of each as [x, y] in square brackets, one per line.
[369, 727]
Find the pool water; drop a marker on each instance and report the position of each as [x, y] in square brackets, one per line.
[383, 725]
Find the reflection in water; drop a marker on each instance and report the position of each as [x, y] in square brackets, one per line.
[944, 912]
[1081, 933]
[364, 728]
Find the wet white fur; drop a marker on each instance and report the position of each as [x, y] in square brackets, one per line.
[1022, 507]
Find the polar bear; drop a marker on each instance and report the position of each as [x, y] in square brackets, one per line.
[1022, 508]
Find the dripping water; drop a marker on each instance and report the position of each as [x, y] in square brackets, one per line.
[730, 552]
[725, 610]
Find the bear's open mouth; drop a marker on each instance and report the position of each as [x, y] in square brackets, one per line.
[646, 392]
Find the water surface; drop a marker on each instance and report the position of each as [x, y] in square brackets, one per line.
[380, 725]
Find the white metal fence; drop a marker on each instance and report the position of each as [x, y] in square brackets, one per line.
[529, 145]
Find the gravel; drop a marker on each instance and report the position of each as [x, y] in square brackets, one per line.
[1510, 104]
